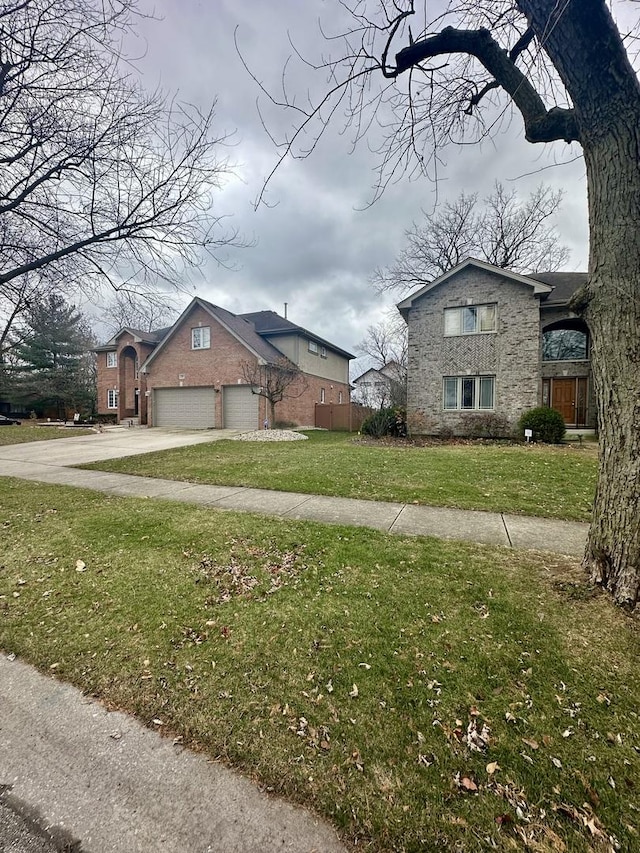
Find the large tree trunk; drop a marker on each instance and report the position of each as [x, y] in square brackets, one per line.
[612, 310]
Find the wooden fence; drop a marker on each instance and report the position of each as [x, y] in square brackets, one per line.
[347, 417]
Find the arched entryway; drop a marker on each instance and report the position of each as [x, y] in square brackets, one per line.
[132, 401]
[566, 370]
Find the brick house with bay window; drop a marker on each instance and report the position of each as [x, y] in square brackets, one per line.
[486, 342]
[193, 374]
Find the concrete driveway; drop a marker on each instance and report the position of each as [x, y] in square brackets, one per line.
[113, 443]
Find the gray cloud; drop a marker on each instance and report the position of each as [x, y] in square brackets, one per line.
[318, 243]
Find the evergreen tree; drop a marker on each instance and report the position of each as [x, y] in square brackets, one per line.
[54, 363]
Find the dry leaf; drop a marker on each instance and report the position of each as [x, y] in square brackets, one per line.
[354, 691]
[532, 744]
[81, 566]
[468, 784]
[492, 767]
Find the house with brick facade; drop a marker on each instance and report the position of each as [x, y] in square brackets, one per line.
[487, 344]
[196, 373]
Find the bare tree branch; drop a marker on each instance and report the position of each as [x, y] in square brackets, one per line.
[505, 232]
[275, 381]
[99, 180]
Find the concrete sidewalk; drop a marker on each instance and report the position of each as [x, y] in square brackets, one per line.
[491, 528]
[96, 781]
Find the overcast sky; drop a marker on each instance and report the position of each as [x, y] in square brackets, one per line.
[318, 241]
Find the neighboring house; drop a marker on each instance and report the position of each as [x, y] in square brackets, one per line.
[191, 375]
[381, 387]
[484, 343]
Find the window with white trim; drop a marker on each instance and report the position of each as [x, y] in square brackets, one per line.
[313, 347]
[322, 395]
[201, 337]
[112, 359]
[112, 398]
[470, 320]
[469, 393]
[323, 352]
[339, 396]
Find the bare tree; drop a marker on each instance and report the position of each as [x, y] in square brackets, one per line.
[563, 68]
[385, 348]
[146, 312]
[100, 181]
[506, 232]
[275, 381]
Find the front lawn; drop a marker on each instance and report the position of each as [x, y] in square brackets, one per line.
[420, 694]
[555, 482]
[31, 432]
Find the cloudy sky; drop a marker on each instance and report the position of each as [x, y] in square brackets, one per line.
[318, 240]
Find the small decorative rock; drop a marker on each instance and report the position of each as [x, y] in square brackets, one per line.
[270, 435]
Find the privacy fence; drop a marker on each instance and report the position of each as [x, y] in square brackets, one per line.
[347, 417]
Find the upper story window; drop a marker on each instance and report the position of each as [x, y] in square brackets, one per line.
[112, 359]
[564, 345]
[323, 352]
[470, 320]
[313, 347]
[201, 337]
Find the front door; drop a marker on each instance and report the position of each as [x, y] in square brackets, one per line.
[564, 398]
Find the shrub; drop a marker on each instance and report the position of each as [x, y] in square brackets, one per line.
[486, 426]
[545, 423]
[390, 421]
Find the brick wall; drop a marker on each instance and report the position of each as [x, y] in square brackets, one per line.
[221, 365]
[122, 378]
[511, 354]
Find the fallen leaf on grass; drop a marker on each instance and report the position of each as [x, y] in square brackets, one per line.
[354, 691]
[81, 566]
[532, 744]
[492, 767]
[468, 784]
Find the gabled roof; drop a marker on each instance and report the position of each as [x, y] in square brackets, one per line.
[372, 370]
[386, 372]
[138, 335]
[540, 288]
[236, 325]
[270, 324]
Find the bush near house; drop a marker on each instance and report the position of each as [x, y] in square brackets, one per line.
[389, 421]
[486, 426]
[546, 424]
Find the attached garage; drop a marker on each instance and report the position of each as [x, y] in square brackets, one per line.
[240, 407]
[190, 408]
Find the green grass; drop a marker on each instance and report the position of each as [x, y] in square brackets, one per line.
[554, 482]
[249, 637]
[27, 432]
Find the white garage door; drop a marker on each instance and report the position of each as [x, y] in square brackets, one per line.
[192, 408]
[240, 407]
